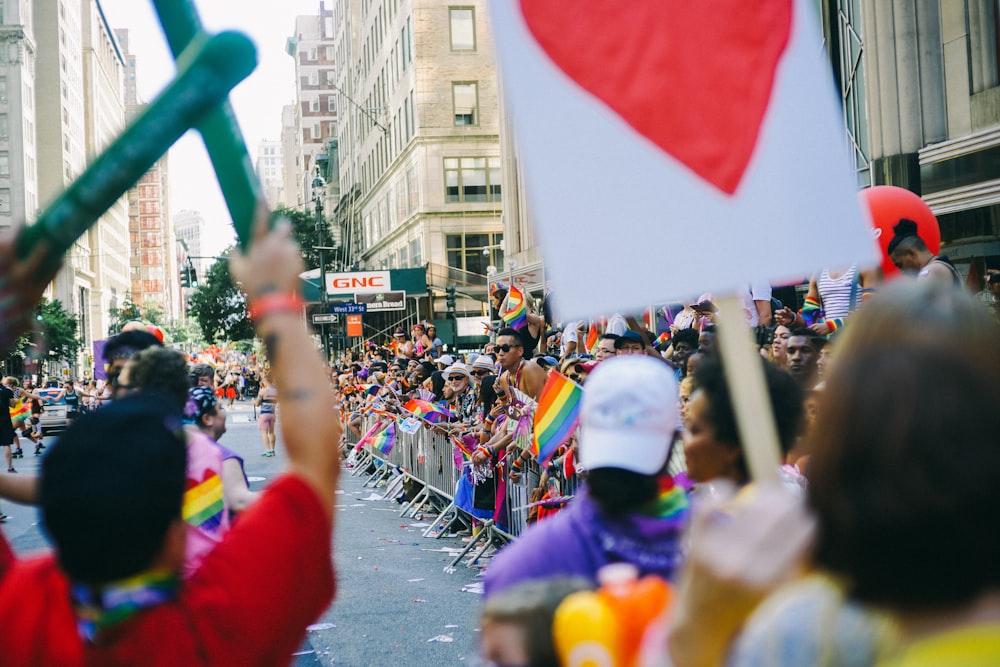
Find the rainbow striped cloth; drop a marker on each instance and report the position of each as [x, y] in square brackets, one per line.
[592, 338]
[386, 439]
[662, 340]
[429, 412]
[370, 435]
[203, 504]
[556, 416]
[517, 309]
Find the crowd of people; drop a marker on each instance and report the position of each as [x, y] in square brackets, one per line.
[878, 546]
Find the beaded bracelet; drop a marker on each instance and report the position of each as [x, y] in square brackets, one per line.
[275, 302]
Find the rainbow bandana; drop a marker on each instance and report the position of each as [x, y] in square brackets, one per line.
[203, 505]
[99, 608]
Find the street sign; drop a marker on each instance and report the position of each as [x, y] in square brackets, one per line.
[354, 325]
[325, 318]
[349, 308]
[382, 301]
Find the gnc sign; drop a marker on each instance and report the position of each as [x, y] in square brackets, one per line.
[359, 282]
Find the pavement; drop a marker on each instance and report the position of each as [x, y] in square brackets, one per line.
[395, 603]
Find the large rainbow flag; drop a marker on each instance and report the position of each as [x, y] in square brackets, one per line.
[556, 416]
[517, 309]
[429, 412]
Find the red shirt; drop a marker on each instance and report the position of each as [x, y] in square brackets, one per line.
[248, 604]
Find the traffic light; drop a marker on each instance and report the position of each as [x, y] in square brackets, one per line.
[450, 296]
[185, 277]
[194, 277]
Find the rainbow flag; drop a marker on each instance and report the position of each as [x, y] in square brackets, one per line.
[385, 440]
[556, 416]
[372, 432]
[592, 338]
[428, 411]
[517, 309]
[203, 505]
[372, 389]
[662, 340]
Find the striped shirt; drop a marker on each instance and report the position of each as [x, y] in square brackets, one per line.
[835, 293]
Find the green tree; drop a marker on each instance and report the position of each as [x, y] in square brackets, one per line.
[304, 232]
[122, 315]
[219, 307]
[59, 331]
[153, 313]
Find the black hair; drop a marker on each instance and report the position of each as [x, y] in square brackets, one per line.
[689, 336]
[487, 394]
[511, 331]
[610, 336]
[786, 403]
[805, 332]
[618, 491]
[437, 385]
[129, 342]
[111, 486]
[426, 369]
[161, 370]
[905, 236]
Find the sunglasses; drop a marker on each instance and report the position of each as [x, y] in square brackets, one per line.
[505, 348]
[456, 378]
[480, 373]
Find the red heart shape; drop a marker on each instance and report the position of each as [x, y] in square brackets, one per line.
[693, 77]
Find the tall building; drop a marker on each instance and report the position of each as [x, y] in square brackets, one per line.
[154, 270]
[78, 101]
[920, 83]
[190, 227]
[418, 146]
[291, 176]
[103, 65]
[270, 170]
[315, 100]
[19, 199]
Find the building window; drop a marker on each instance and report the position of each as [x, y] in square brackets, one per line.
[465, 97]
[415, 257]
[474, 252]
[472, 179]
[3, 89]
[317, 131]
[331, 104]
[312, 54]
[4, 165]
[4, 130]
[314, 105]
[404, 257]
[314, 78]
[463, 28]
[330, 54]
[404, 53]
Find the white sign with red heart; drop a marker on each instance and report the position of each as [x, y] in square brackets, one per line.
[674, 147]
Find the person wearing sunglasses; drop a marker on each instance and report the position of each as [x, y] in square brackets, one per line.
[525, 375]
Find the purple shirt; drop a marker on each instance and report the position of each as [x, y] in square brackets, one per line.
[581, 539]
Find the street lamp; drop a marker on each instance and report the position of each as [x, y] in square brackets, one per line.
[319, 191]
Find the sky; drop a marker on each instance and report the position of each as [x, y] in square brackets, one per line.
[257, 101]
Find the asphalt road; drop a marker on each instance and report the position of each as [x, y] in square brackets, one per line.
[395, 604]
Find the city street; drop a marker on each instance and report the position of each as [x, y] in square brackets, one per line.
[395, 605]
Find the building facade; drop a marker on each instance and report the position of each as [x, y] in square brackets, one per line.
[270, 170]
[931, 82]
[154, 277]
[19, 201]
[419, 146]
[312, 48]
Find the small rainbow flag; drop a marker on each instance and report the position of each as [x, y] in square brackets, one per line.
[385, 440]
[372, 432]
[517, 309]
[428, 411]
[592, 338]
[662, 340]
[556, 416]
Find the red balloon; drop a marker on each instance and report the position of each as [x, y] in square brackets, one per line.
[887, 205]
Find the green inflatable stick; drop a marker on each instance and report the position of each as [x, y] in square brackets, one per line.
[219, 130]
[207, 70]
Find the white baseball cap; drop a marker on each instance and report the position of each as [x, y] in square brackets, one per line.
[628, 415]
[445, 359]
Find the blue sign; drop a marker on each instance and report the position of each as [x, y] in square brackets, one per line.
[350, 308]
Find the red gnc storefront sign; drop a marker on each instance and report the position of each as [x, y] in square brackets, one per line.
[357, 282]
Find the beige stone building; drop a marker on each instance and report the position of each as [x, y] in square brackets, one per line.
[154, 276]
[312, 48]
[419, 147]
